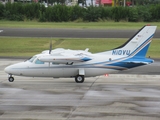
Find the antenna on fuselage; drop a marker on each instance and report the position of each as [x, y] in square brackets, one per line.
[50, 47]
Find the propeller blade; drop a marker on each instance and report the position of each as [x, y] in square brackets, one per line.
[50, 49]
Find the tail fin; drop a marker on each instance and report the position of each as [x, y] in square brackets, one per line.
[137, 45]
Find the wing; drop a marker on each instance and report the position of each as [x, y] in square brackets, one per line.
[63, 56]
[69, 59]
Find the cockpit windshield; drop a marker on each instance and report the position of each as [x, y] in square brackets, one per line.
[35, 60]
[32, 59]
[39, 62]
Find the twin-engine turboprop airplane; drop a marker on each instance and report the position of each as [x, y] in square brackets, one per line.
[81, 63]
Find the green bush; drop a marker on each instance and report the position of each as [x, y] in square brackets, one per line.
[42, 17]
[144, 13]
[155, 12]
[120, 13]
[60, 13]
[106, 12]
[49, 16]
[133, 15]
[16, 17]
[64, 13]
[76, 12]
[92, 14]
[57, 13]
[1, 11]
[31, 11]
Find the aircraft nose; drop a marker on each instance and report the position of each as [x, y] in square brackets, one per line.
[16, 69]
[8, 69]
[12, 69]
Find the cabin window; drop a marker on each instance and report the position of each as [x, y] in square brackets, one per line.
[39, 62]
[55, 63]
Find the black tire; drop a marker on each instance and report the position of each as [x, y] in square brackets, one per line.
[79, 78]
[11, 79]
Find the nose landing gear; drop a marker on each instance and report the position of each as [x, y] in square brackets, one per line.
[10, 78]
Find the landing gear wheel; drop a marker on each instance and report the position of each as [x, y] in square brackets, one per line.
[11, 79]
[79, 78]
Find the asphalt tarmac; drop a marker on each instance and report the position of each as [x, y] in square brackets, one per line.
[70, 33]
[116, 97]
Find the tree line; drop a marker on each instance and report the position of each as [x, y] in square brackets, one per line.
[62, 13]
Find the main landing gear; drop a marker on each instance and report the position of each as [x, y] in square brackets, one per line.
[79, 78]
[10, 78]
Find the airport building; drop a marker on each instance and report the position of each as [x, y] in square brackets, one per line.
[125, 2]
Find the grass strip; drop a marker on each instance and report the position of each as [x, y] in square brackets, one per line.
[25, 47]
[79, 25]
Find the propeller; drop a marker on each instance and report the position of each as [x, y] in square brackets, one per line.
[50, 48]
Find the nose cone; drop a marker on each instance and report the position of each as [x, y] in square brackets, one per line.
[8, 70]
[15, 69]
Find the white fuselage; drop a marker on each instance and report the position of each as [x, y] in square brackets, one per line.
[36, 68]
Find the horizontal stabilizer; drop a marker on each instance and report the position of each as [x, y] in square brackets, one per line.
[138, 62]
[143, 61]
